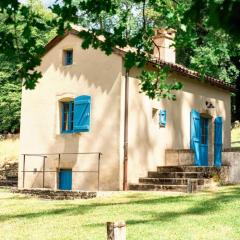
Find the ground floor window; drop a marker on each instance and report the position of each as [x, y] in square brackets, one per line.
[67, 116]
[76, 115]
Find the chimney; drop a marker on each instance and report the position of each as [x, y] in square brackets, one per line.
[163, 49]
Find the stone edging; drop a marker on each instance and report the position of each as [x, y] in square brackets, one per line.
[233, 149]
[56, 194]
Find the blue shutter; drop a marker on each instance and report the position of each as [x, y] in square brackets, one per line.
[162, 118]
[218, 141]
[195, 136]
[82, 107]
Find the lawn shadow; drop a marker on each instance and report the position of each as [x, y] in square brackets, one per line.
[211, 204]
[200, 207]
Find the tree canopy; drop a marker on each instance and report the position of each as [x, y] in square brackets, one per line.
[21, 46]
[206, 40]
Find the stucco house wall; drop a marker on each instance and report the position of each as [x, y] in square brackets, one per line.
[92, 73]
[102, 77]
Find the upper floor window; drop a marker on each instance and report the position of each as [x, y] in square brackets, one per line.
[68, 57]
[162, 118]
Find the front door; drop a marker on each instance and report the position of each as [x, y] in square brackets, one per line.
[204, 141]
[65, 179]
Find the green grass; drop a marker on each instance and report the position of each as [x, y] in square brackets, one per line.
[9, 150]
[151, 216]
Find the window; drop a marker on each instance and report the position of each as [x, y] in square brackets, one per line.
[76, 115]
[204, 130]
[68, 57]
[67, 116]
[162, 118]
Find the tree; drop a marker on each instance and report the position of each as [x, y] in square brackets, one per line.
[114, 19]
[12, 61]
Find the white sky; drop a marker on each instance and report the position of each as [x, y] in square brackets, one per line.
[47, 3]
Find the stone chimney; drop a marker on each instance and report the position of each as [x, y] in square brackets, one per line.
[163, 49]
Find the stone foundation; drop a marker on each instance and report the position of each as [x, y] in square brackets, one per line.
[231, 158]
[179, 157]
[56, 195]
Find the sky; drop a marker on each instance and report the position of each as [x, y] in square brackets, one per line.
[47, 3]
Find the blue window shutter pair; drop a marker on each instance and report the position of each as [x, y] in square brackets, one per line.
[76, 115]
[162, 118]
[82, 107]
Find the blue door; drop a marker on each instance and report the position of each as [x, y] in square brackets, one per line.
[199, 138]
[218, 142]
[65, 179]
[204, 141]
[195, 136]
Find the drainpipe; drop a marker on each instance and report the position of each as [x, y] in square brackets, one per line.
[125, 162]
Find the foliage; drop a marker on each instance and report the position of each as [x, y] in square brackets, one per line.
[221, 14]
[10, 101]
[20, 46]
[21, 28]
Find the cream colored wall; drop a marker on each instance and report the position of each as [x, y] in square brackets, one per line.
[92, 73]
[147, 141]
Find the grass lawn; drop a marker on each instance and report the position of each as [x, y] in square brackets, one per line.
[150, 216]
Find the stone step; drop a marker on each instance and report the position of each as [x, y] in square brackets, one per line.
[177, 175]
[158, 187]
[164, 169]
[174, 181]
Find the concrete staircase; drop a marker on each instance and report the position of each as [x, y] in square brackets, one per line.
[177, 178]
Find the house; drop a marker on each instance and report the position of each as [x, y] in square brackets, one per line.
[74, 124]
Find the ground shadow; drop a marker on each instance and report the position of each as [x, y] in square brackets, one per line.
[199, 206]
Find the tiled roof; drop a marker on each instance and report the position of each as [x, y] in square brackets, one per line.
[196, 75]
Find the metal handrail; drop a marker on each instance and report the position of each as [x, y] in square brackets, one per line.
[45, 156]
